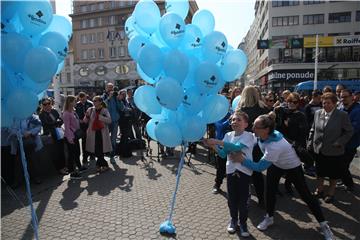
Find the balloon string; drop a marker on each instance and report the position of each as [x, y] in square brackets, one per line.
[181, 164]
[28, 190]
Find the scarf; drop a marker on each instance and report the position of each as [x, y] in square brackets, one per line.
[97, 124]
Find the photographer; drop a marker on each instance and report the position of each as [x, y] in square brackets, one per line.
[126, 117]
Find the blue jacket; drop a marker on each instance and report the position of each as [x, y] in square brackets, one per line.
[354, 115]
[115, 107]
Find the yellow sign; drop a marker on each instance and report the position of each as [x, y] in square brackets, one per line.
[310, 42]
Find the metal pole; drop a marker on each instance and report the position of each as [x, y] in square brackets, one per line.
[57, 98]
[316, 61]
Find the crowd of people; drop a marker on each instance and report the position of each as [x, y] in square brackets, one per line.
[266, 131]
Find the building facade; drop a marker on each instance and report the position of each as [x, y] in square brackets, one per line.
[100, 52]
[285, 33]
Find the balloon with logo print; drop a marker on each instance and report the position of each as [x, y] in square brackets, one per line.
[21, 102]
[7, 83]
[214, 46]
[40, 64]
[193, 101]
[145, 100]
[135, 44]
[61, 25]
[13, 25]
[193, 64]
[233, 65]
[35, 16]
[172, 29]
[14, 46]
[216, 107]
[192, 41]
[168, 134]
[36, 87]
[56, 43]
[129, 28]
[176, 65]
[192, 128]
[169, 93]
[150, 128]
[205, 20]
[8, 10]
[179, 7]
[207, 77]
[147, 15]
[146, 78]
[6, 118]
[156, 39]
[151, 60]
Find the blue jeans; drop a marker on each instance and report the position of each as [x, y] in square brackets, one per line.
[113, 129]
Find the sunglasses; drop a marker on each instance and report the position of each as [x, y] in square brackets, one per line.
[45, 104]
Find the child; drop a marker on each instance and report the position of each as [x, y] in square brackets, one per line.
[238, 176]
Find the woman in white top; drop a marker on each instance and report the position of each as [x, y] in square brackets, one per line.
[280, 158]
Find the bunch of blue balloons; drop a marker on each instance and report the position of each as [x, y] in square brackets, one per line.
[34, 44]
[186, 65]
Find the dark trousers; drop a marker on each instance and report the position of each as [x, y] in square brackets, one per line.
[257, 177]
[238, 192]
[347, 158]
[220, 164]
[7, 165]
[74, 155]
[136, 126]
[296, 176]
[85, 154]
[58, 151]
[99, 153]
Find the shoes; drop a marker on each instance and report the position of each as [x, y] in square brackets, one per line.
[267, 222]
[319, 194]
[216, 190]
[75, 175]
[310, 171]
[325, 229]
[329, 199]
[82, 169]
[63, 171]
[244, 230]
[231, 228]
[112, 160]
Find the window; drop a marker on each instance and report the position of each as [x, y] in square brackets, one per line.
[84, 8]
[84, 54]
[113, 4]
[101, 53]
[100, 70]
[92, 54]
[122, 4]
[93, 7]
[313, 2]
[67, 62]
[84, 23]
[101, 6]
[339, 34]
[313, 19]
[100, 37]
[100, 21]
[112, 20]
[112, 51]
[93, 22]
[357, 18]
[285, 3]
[68, 77]
[285, 21]
[340, 17]
[83, 39]
[122, 35]
[92, 38]
[121, 51]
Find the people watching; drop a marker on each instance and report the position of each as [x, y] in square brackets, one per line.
[125, 118]
[81, 107]
[98, 139]
[328, 136]
[136, 113]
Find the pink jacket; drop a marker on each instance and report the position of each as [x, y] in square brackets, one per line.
[71, 123]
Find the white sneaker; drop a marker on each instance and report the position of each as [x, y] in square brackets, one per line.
[268, 221]
[325, 229]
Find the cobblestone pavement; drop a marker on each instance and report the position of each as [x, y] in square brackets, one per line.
[132, 199]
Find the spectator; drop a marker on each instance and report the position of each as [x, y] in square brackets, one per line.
[330, 132]
[270, 100]
[234, 93]
[81, 107]
[52, 125]
[282, 101]
[353, 110]
[125, 118]
[338, 90]
[314, 105]
[136, 113]
[72, 124]
[327, 89]
[98, 139]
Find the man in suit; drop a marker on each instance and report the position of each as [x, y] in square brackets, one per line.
[330, 132]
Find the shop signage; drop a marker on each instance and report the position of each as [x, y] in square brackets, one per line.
[342, 41]
[289, 75]
[310, 42]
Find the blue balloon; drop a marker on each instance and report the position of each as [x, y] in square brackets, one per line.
[13, 25]
[214, 47]
[207, 77]
[192, 42]
[21, 103]
[40, 64]
[7, 119]
[151, 60]
[235, 102]
[233, 65]
[193, 101]
[147, 15]
[60, 67]
[168, 134]
[8, 10]
[146, 78]
[172, 29]
[150, 128]
[192, 128]
[35, 16]
[61, 25]
[57, 43]
[176, 65]
[193, 63]
[169, 93]
[205, 20]
[129, 28]
[216, 107]
[135, 44]
[36, 87]
[145, 100]
[14, 46]
[165, 115]
[179, 7]
[156, 39]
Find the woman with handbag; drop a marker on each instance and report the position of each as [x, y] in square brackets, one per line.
[72, 136]
[97, 136]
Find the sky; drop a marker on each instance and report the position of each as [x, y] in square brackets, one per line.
[232, 17]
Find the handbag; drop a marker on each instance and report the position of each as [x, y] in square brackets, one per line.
[59, 133]
[305, 156]
[79, 133]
